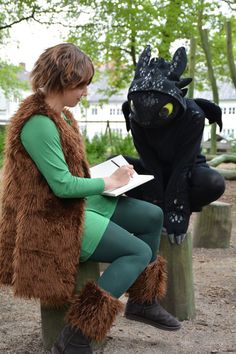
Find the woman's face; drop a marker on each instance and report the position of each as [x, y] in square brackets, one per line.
[71, 97]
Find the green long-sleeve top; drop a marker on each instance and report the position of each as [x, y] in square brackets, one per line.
[41, 140]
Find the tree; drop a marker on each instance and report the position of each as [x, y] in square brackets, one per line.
[9, 79]
[42, 11]
[117, 31]
[13, 12]
[230, 54]
[207, 50]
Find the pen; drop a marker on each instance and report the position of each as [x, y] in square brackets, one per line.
[115, 163]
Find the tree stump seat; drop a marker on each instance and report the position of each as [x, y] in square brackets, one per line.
[179, 300]
[52, 319]
[213, 225]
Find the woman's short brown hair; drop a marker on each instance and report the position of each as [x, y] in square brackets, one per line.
[60, 67]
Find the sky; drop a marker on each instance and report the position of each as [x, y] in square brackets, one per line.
[28, 40]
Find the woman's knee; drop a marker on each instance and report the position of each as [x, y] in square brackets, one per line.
[142, 257]
[153, 216]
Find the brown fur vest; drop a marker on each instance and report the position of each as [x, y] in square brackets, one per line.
[40, 234]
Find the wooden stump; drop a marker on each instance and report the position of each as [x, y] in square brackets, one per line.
[179, 300]
[52, 319]
[212, 227]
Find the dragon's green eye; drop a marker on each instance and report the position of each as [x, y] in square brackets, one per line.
[166, 110]
[169, 107]
[132, 106]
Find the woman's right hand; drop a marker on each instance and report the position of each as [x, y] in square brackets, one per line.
[119, 178]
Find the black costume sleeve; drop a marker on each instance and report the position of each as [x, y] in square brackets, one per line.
[177, 206]
[148, 160]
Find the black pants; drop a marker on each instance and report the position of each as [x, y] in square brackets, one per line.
[205, 185]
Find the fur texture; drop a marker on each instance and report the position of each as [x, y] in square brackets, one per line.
[93, 311]
[40, 233]
[151, 283]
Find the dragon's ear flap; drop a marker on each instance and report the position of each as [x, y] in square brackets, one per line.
[178, 63]
[183, 82]
[212, 112]
[126, 112]
[143, 62]
[184, 91]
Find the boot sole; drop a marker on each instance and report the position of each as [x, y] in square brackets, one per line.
[152, 323]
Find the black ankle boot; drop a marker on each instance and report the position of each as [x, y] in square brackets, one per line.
[152, 314]
[71, 341]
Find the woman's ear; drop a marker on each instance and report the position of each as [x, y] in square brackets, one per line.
[212, 111]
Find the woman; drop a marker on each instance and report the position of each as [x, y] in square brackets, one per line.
[54, 216]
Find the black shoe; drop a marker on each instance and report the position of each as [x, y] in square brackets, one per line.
[152, 314]
[71, 341]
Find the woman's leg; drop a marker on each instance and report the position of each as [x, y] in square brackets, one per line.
[206, 185]
[130, 247]
[142, 219]
[130, 243]
[128, 257]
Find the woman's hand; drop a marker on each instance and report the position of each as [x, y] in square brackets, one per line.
[119, 178]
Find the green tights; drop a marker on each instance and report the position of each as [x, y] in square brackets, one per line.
[129, 244]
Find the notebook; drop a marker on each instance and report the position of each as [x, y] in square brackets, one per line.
[105, 169]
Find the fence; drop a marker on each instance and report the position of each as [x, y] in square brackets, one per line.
[91, 127]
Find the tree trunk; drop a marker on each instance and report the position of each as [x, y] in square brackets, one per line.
[179, 300]
[172, 18]
[133, 48]
[227, 174]
[192, 62]
[206, 48]
[212, 227]
[222, 158]
[230, 55]
[52, 319]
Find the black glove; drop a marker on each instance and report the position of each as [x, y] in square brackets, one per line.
[176, 220]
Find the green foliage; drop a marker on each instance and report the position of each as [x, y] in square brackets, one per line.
[233, 146]
[101, 146]
[98, 149]
[117, 31]
[114, 32]
[12, 13]
[10, 83]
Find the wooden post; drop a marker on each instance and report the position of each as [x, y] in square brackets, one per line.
[179, 300]
[212, 227]
[53, 318]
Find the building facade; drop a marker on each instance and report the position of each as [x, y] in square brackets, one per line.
[99, 117]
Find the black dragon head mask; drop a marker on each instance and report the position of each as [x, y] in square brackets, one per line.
[156, 94]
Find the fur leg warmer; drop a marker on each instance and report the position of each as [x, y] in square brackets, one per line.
[151, 283]
[93, 311]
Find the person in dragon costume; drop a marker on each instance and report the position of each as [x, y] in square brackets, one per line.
[167, 130]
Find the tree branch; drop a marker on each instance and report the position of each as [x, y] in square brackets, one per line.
[230, 3]
[18, 21]
[35, 13]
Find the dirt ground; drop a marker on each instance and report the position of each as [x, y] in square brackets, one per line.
[212, 331]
